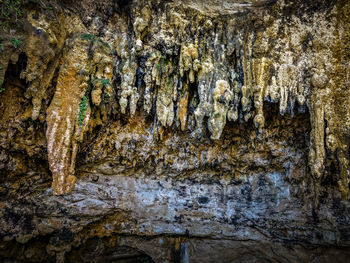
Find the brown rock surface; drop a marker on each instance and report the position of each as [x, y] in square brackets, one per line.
[175, 131]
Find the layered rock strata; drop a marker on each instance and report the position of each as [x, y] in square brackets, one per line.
[196, 124]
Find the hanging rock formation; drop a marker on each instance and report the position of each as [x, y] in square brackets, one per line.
[160, 131]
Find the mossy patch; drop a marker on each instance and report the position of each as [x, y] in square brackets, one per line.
[82, 109]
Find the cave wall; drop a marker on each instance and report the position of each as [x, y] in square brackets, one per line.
[161, 130]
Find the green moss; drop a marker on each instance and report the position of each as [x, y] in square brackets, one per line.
[170, 82]
[105, 82]
[86, 36]
[103, 42]
[216, 115]
[158, 67]
[163, 62]
[106, 97]
[82, 108]
[93, 38]
[15, 43]
[10, 11]
[2, 89]
[48, 7]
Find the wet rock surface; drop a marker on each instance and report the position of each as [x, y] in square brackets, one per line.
[175, 131]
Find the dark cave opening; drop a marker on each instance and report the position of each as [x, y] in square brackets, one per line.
[13, 72]
[103, 250]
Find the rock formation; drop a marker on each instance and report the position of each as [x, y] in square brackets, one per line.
[175, 131]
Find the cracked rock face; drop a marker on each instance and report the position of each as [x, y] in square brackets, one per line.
[175, 131]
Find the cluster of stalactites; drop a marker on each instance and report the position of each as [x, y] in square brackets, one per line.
[218, 93]
[83, 67]
[210, 72]
[204, 65]
[207, 72]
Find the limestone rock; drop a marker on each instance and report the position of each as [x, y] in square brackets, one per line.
[175, 131]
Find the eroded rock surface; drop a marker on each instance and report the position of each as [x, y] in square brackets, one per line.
[175, 131]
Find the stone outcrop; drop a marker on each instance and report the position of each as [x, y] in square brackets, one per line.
[159, 130]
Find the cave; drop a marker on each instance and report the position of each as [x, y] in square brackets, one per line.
[175, 131]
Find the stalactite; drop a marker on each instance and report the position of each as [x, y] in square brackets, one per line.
[233, 65]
